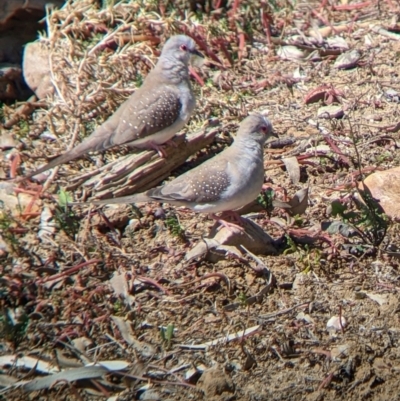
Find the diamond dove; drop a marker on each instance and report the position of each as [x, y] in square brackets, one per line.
[226, 182]
[153, 114]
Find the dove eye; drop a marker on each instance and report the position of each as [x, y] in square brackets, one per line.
[264, 128]
[184, 48]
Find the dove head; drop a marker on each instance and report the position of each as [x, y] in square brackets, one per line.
[179, 49]
[255, 127]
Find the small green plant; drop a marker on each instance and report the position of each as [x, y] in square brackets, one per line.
[242, 298]
[384, 157]
[139, 80]
[167, 334]
[175, 228]
[368, 219]
[13, 325]
[1, 112]
[23, 128]
[292, 247]
[309, 258]
[298, 220]
[265, 199]
[7, 223]
[107, 4]
[118, 306]
[64, 216]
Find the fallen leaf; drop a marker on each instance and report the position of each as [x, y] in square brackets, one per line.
[347, 60]
[47, 226]
[291, 53]
[296, 205]
[381, 299]
[293, 168]
[120, 286]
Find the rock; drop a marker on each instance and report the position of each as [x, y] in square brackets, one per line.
[24, 9]
[214, 382]
[392, 95]
[385, 188]
[336, 323]
[12, 85]
[36, 69]
[117, 215]
[224, 241]
[16, 203]
[7, 141]
[19, 24]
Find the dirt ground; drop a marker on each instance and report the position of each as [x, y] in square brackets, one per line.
[316, 320]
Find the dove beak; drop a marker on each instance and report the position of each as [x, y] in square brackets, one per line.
[195, 52]
[196, 58]
[274, 134]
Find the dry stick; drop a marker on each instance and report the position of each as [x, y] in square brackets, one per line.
[226, 53]
[328, 139]
[150, 281]
[54, 82]
[324, 20]
[326, 381]
[340, 319]
[24, 110]
[55, 171]
[349, 7]
[127, 37]
[327, 30]
[242, 43]
[100, 387]
[14, 163]
[267, 27]
[364, 235]
[77, 121]
[70, 271]
[139, 171]
[107, 38]
[196, 76]
[283, 312]
[168, 372]
[322, 5]
[148, 379]
[381, 31]
[216, 274]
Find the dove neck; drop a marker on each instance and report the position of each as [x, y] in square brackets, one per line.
[172, 70]
[249, 145]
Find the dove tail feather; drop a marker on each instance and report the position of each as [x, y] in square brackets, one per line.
[98, 141]
[124, 199]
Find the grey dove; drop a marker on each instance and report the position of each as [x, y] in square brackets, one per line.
[153, 114]
[226, 182]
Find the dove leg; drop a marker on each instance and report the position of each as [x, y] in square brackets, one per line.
[172, 143]
[229, 225]
[158, 148]
[232, 216]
